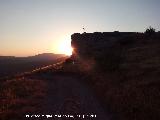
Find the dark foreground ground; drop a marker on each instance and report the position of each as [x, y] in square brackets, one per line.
[47, 93]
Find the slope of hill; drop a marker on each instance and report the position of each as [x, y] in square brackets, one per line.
[11, 65]
[49, 92]
[123, 70]
[45, 56]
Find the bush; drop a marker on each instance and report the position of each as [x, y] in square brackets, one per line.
[150, 31]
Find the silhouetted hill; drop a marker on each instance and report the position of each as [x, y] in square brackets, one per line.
[123, 69]
[6, 57]
[10, 65]
[45, 56]
[39, 57]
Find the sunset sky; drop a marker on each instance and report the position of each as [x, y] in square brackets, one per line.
[29, 27]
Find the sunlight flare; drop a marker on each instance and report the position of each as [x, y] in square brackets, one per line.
[63, 46]
[64, 49]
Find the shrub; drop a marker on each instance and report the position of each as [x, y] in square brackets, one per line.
[150, 31]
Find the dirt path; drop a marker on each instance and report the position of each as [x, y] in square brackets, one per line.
[67, 95]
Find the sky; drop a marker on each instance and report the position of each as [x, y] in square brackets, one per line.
[29, 27]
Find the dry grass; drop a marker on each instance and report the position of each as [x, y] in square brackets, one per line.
[133, 91]
[19, 97]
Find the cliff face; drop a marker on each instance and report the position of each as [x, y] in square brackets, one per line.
[102, 48]
[128, 80]
[91, 44]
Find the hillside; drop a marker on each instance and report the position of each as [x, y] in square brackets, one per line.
[50, 93]
[124, 71]
[11, 65]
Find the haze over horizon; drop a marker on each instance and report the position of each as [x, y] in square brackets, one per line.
[29, 27]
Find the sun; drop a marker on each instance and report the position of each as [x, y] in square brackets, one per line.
[66, 49]
[63, 46]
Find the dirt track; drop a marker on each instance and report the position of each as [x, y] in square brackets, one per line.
[67, 95]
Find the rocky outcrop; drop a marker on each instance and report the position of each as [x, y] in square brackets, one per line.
[89, 44]
[102, 48]
[126, 77]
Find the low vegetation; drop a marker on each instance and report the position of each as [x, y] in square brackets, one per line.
[150, 31]
[21, 96]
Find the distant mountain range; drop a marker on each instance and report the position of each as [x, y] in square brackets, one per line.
[39, 57]
[46, 56]
[10, 65]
